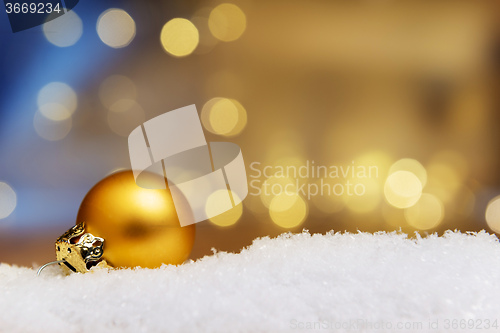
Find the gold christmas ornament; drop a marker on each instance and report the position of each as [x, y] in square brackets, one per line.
[120, 224]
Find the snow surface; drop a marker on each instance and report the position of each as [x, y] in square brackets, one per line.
[300, 282]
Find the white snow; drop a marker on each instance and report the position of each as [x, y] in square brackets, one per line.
[301, 282]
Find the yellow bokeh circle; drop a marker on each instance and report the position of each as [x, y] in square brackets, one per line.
[412, 165]
[288, 211]
[179, 37]
[217, 202]
[274, 186]
[224, 116]
[227, 22]
[426, 214]
[493, 214]
[402, 189]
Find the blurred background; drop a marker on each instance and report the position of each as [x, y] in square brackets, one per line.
[409, 87]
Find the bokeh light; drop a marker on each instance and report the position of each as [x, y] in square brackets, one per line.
[51, 130]
[414, 166]
[224, 116]
[116, 28]
[8, 200]
[179, 37]
[230, 216]
[125, 115]
[57, 101]
[207, 40]
[64, 31]
[426, 214]
[116, 87]
[288, 211]
[205, 113]
[493, 214]
[402, 189]
[381, 159]
[274, 186]
[227, 22]
[55, 111]
[217, 202]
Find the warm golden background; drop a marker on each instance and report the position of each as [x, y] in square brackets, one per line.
[334, 82]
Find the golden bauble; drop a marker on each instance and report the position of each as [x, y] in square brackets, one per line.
[140, 226]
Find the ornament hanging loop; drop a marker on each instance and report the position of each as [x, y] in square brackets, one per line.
[48, 264]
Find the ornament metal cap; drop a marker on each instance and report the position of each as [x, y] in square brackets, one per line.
[78, 251]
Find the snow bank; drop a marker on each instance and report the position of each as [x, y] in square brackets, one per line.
[301, 282]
